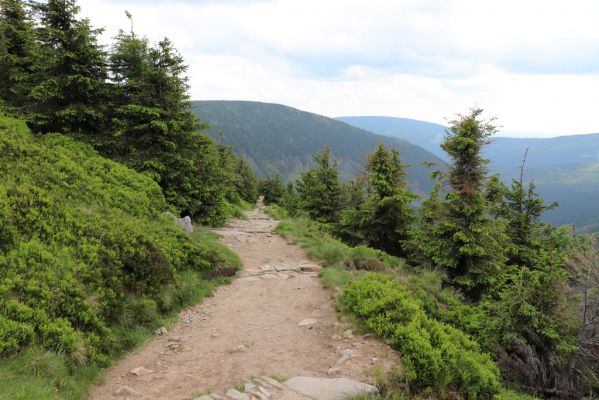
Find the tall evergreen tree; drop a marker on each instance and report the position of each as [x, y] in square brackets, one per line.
[467, 242]
[70, 92]
[384, 220]
[319, 188]
[17, 53]
[155, 131]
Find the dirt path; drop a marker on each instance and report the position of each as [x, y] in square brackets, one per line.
[251, 327]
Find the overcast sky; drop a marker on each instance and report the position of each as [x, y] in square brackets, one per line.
[534, 64]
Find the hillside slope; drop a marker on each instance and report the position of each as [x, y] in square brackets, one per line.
[88, 262]
[277, 139]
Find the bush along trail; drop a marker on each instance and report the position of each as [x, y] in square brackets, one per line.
[272, 333]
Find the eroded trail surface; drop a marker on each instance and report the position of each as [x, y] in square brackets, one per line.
[274, 319]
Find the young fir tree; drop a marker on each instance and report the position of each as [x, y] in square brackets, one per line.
[467, 242]
[70, 93]
[384, 220]
[18, 50]
[247, 186]
[319, 189]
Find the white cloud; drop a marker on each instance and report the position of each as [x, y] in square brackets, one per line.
[534, 64]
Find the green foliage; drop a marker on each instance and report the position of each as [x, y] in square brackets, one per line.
[319, 188]
[435, 355]
[86, 253]
[272, 189]
[70, 92]
[465, 241]
[247, 186]
[18, 50]
[384, 219]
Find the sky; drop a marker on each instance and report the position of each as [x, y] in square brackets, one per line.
[532, 64]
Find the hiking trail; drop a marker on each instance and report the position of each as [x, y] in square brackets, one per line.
[275, 319]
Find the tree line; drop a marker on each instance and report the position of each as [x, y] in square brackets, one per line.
[129, 101]
[530, 290]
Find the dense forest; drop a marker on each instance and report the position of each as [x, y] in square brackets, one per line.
[280, 140]
[101, 153]
[471, 287]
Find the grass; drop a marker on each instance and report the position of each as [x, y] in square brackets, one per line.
[279, 378]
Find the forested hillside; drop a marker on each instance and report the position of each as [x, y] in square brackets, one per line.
[276, 139]
[564, 167]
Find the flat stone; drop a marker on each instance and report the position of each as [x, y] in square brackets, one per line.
[310, 268]
[329, 388]
[127, 391]
[235, 394]
[217, 396]
[249, 386]
[306, 322]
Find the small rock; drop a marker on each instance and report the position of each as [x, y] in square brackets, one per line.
[310, 268]
[161, 331]
[306, 322]
[141, 371]
[185, 223]
[127, 391]
[237, 395]
[348, 334]
[174, 346]
[239, 349]
[336, 337]
[249, 386]
[204, 397]
[334, 372]
[345, 355]
[217, 396]
[264, 391]
[213, 335]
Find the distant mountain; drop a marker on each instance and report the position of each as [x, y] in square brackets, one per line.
[276, 139]
[424, 134]
[565, 168]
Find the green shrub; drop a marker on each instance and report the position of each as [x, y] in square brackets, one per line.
[435, 355]
[86, 251]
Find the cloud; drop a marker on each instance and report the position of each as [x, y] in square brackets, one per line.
[534, 64]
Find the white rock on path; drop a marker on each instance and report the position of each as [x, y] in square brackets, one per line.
[309, 321]
[329, 389]
[127, 391]
[140, 371]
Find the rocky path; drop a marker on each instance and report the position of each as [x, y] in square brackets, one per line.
[274, 320]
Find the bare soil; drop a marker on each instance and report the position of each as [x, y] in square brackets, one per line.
[249, 328]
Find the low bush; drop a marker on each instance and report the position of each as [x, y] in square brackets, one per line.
[435, 355]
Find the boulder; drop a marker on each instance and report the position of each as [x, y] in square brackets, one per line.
[185, 223]
[329, 388]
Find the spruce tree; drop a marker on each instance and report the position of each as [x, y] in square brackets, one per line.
[18, 50]
[384, 220]
[319, 188]
[247, 185]
[468, 243]
[70, 92]
[156, 132]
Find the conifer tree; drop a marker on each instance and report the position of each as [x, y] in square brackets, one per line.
[319, 189]
[468, 243]
[156, 132]
[70, 92]
[384, 220]
[247, 185]
[17, 54]
[272, 189]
